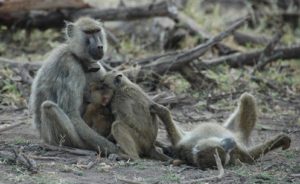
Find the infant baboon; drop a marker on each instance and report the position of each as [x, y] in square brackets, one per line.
[135, 127]
[198, 146]
[97, 115]
[57, 90]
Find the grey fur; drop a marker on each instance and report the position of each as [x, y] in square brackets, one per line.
[57, 96]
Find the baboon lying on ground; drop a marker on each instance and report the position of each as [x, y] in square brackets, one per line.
[135, 127]
[198, 146]
[97, 115]
[57, 90]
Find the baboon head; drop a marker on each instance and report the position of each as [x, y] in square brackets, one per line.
[100, 93]
[205, 149]
[87, 41]
[115, 80]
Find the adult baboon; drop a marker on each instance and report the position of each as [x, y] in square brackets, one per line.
[198, 146]
[135, 127]
[97, 115]
[58, 87]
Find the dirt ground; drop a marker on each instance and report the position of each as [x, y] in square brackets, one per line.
[278, 106]
[61, 167]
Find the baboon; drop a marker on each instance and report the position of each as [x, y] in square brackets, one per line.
[57, 90]
[97, 115]
[135, 128]
[198, 146]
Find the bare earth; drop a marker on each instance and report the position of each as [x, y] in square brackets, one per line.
[61, 167]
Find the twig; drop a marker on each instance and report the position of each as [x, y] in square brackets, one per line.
[267, 83]
[88, 166]
[124, 180]
[44, 158]
[11, 126]
[74, 151]
[220, 169]
[266, 56]
[194, 27]
[19, 158]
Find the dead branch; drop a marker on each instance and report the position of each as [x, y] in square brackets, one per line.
[11, 126]
[87, 166]
[175, 60]
[44, 19]
[251, 58]
[20, 159]
[30, 66]
[45, 158]
[13, 6]
[74, 151]
[245, 39]
[267, 55]
[194, 27]
[124, 180]
[197, 79]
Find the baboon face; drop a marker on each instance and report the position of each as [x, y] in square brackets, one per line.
[205, 150]
[114, 80]
[100, 94]
[87, 38]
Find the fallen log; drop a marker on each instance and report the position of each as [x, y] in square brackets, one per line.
[175, 60]
[13, 6]
[55, 19]
[245, 39]
[251, 58]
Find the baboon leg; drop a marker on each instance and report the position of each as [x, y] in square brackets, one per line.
[56, 123]
[124, 139]
[244, 118]
[175, 133]
[155, 154]
[281, 140]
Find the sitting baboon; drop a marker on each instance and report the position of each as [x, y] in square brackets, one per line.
[57, 90]
[198, 146]
[135, 128]
[97, 115]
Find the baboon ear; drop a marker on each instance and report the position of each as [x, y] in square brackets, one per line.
[117, 80]
[69, 29]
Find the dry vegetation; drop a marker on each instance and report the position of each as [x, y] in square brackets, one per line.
[210, 98]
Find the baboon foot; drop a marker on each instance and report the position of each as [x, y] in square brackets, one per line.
[48, 104]
[284, 140]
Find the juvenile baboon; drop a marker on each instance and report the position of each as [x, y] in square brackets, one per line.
[198, 146]
[135, 127]
[57, 90]
[97, 115]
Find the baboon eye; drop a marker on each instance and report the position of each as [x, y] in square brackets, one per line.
[87, 41]
[117, 80]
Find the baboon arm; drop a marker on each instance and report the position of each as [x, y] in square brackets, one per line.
[70, 100]
[175, 133]
[155, 154]
[95, 140]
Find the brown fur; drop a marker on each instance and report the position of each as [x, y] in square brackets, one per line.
[135, 127]
[231, 139]
[96, 115]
